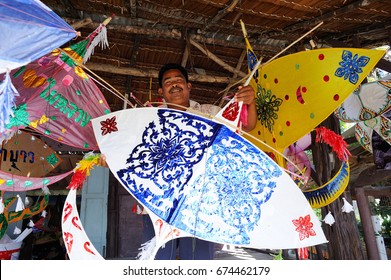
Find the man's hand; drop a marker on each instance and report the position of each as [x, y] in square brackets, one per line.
[246, 94]
[102, 161]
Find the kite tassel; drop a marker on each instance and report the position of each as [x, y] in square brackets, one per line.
[334, 140]
[147, 249]
[7, 101]
[82, 170]
[100, 38]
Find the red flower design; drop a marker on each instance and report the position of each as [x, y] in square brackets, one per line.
[109, 126]
[304, 227]
[231, 112]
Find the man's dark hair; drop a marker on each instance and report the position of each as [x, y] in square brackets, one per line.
[171, 66]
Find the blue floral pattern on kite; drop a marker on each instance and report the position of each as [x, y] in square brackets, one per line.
[351, 66]
[200, 177]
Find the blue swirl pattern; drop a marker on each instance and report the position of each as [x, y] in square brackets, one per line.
[200, 177]
[351, 66]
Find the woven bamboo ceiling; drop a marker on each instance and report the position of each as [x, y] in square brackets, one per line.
[206, 37]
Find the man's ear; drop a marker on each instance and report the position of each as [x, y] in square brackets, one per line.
[189, 86]
[160, 91]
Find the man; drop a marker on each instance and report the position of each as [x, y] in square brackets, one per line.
[175, 88]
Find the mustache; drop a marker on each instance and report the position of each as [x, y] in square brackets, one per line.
[175, 88]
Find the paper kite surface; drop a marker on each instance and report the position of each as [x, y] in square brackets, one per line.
[295, 93]
[202, 178]
[29, 30]
[368, 101]
[58, 99]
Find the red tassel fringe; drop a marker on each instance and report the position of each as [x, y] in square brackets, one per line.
[334, 140]
[77, 180]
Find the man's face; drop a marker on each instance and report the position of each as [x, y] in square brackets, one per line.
[175, 90]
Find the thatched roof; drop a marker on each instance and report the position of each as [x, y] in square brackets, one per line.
[207, 38]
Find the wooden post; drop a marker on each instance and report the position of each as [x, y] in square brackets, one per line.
[366, 221]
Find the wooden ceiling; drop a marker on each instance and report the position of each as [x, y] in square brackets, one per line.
[206, 37]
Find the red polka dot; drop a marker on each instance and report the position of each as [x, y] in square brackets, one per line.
[287, 97]
[326, 78]
[259, 133]
[288, 123]
[321, 56]
[274, 140]
[336, 97]
[303, 89]
[276, 81]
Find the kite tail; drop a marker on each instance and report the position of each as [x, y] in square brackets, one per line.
[147, 249]
[334, 140]
[82, 170]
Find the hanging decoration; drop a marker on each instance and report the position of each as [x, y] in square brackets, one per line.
[15, 183]
[298, 163]
[8, 217]
[334, 140]
[7, 101]
[347, 207]
[329, 219]
[77, 243]
[82, 170]
[286, 100]
[369, 107]
[57, 98]
[368, 100]
[29, 30]
[329, 192]
[168, 160]
[380, 124]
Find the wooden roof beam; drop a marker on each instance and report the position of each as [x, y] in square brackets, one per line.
[330, 15]
[216, 59]
[99, 67]
[220, 14]
[125, 25]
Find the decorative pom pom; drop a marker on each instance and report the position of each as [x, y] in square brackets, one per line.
[82, 170]
[329, 219]
[334, 140]
[44, 213]
[347, 207]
